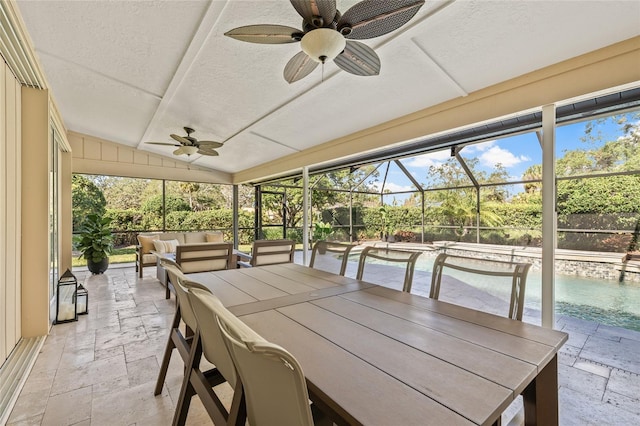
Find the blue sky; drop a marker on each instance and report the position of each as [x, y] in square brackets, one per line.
[515, 153]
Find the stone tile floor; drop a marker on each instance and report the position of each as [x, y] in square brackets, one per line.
[101, 370]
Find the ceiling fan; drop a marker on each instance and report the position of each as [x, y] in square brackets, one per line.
[327, 34]
[190, 145]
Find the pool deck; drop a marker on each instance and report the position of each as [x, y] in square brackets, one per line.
[101, 370]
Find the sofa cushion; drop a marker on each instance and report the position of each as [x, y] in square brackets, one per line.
[195, 237]
[149, 258]
[215, 237]
[173, 236]
[146, 241]
[168, 246]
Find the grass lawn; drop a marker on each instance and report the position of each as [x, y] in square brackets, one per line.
[118, 255]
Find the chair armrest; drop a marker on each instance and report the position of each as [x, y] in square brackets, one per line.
[244, 259]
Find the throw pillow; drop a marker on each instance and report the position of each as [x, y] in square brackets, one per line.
[214, 237]
[168, 246]
[146, 241]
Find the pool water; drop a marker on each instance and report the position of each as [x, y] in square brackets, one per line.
[603, 301]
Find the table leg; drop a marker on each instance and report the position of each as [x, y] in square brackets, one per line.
[541, 397]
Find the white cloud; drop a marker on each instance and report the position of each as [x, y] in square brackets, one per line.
[479, 147]
[495, 155]
[427, 160]
[393, 187]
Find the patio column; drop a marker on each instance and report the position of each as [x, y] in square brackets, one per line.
[305, 214]
[549, 222]
[235, 217]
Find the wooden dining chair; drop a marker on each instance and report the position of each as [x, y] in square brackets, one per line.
[514, 273]
[178, 340]
[208, 342]
[330, 256]
[273, 382]
[388, 257]
[202, 257]
[268, 252]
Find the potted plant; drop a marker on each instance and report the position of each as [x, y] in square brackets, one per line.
[95, 242]
[321, 231]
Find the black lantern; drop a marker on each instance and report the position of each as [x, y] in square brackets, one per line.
[66, 295]
[82, 300]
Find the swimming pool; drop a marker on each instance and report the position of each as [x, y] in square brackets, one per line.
[604, 301]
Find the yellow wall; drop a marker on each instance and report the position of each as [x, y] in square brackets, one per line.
[602, 69]
[10, 260]
[35, 211]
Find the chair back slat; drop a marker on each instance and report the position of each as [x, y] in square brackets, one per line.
[487, 267]
[272, 252]
[409, 258]
[330, 256]
[202, 257]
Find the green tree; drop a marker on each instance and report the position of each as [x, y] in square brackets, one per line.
[86, 199]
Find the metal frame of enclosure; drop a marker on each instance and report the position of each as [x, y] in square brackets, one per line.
[542, 122]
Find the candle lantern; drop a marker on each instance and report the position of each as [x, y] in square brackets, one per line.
[82, 300]
[66, 295]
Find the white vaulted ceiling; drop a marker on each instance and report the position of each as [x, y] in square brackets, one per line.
[136, 71]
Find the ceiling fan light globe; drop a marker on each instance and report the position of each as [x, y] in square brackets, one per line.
[323, 44]
[189, 150]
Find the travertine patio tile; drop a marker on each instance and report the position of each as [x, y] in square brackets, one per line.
[49, 358]
[87, 374]
[578, 410]
[109, 352]
[117, 384]
[154, 346]
[569, 324]
[30, 405]
[130, 322]
[623, 354]
[623, 402]
[142, 371]
[590, 367]
[75, 357]
[157, 325]
[576, 339]
[68, 408]
[115, 337]
[617, 332]
[624, 383]
[143, 308]
[80, 339]
[582, 381]
[135, 405]
[31, 421]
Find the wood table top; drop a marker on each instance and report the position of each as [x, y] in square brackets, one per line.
[375, 355]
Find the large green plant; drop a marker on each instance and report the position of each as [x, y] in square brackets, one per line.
[95, 241]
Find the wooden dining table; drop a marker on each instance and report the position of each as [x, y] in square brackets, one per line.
[377, 356]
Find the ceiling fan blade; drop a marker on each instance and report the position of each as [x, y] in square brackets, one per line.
[182, 140]
[310, 10]
[299, 67]
[162, 143]
[210, 152]
[373, 18]
[359, 59]
[266, 34]
[210, 144]
[179, 151]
